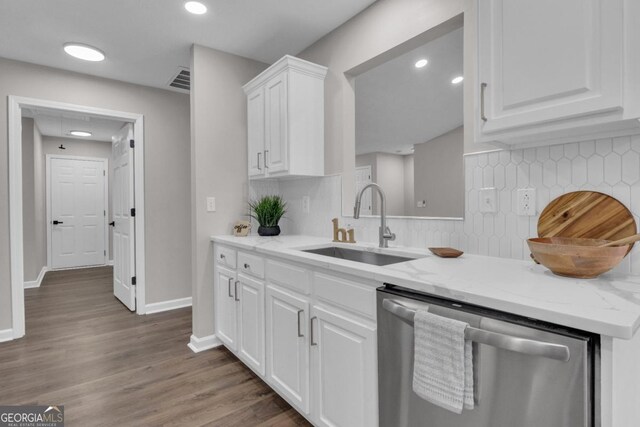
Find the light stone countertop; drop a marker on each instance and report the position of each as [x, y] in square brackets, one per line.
[608, 305]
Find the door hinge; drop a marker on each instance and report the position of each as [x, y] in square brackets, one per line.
[105, 252]
[104, 213]
[133, 280]
[104, 173]
[132, 143]
[133, 212]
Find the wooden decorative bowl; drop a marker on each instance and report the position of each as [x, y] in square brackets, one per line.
[572, 257]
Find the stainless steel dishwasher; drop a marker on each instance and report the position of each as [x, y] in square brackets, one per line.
[527, 373]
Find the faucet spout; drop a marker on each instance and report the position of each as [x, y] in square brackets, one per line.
[384, 233]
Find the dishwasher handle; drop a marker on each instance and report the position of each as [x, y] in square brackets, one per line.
[494, 339]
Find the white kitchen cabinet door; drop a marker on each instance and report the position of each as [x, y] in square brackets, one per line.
[255, 131]
[226, 316]
[288, 346]
[545, 61]
[344, 370]
[251, 322]
[276, 126]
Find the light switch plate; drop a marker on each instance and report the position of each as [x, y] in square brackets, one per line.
[526, 201]
[488, 200]
[211, 204]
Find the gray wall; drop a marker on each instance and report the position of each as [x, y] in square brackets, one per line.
[40, 227]
[33, 261]
[390, 176]
[409, 186]
[218, 163]
[166, 168]
[439, 175]
[388, 171]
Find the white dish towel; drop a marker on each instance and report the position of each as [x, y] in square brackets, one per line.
[442, 362]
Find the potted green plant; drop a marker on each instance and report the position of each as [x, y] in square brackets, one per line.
[267, 211]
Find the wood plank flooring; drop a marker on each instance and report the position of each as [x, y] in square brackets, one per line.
[108, 366]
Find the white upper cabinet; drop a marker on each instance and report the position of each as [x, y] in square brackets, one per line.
[552, 71]
[255, 131]
[285, 120]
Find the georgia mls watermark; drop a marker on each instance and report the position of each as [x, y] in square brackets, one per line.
[31, 416]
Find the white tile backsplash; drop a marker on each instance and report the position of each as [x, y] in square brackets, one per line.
[611, 166]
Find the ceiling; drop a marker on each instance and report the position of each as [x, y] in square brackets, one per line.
[399, 105]
[60, 123]
[145, 41]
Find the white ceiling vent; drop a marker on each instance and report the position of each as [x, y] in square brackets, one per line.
[181, 80]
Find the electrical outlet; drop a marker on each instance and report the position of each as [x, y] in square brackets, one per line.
[488, 200]
[306, 202]
[211, 204]
[526, 201]
[421, 204]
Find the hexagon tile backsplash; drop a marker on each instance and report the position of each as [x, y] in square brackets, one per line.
[611, 166]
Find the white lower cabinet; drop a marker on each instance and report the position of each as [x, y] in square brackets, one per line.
[225, 306]
[251, 322]
[288, 346]
[344, 370]
[318, 351]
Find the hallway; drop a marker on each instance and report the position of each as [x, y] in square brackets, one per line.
[107, 366]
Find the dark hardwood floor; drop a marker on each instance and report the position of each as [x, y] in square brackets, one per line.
[108, 366]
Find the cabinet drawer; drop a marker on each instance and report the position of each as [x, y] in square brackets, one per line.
[289, 276]
[344, 293]
[225, 256]
[251, 264]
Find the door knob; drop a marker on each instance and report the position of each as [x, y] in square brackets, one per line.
[56, 222]
[112, 223]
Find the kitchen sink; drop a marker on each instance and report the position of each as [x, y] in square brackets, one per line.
[367, 257]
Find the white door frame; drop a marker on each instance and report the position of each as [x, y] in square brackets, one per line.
[105, 162]
[15, 105]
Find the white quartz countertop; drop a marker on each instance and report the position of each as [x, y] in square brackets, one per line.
[608, 305]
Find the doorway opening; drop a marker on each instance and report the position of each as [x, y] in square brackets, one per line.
[94, 199]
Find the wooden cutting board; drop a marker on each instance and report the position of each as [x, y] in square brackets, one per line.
[586, 214]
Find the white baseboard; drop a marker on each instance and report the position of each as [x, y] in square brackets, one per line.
[201, 344]
[6, 335]
[36, 283]
[157, 307]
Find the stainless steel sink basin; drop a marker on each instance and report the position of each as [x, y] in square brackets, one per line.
[373, 258]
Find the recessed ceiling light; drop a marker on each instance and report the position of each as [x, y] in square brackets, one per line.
[421, 63]
[195, 7]
[457, 80]
[83, 51]
[80, 133]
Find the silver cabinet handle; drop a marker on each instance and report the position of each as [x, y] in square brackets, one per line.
[229, 289]
[259, 168]
[311, 335]
[494, 339]
[235, 291]
[483, 86]
[300, 334]
[266, 166]
[222, 256]
[247, 266]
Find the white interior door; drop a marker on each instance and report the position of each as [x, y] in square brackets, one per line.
[363, 177]
[123, 218]
[77, 212]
